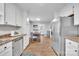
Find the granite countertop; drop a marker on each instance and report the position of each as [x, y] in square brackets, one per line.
[7, 39]
[73, 38]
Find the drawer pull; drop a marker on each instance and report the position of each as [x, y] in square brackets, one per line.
[75, 50]
[5, 47]
[12, 47]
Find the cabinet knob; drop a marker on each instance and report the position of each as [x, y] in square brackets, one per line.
[12, 47]
[75, 50]
[5, 47]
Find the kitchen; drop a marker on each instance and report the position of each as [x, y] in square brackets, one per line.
[22, 24]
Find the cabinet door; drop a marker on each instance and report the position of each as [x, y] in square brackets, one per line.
[6, 49]
[25, 41]
[1, 13]
[7, 52]
[10, 14]
[76, 14]
[71, 48]
[18, 17]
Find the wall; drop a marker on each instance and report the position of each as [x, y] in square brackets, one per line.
[7, 29]
[25, 25]
[46, 26]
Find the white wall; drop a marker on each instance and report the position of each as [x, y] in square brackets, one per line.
[46, 26]
[25, 25]
[6, 30]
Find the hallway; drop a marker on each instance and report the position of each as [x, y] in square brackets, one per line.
[42, 48]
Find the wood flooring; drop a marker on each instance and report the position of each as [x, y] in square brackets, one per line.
[42, 48]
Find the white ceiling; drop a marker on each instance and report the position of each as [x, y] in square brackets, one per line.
[44, 11]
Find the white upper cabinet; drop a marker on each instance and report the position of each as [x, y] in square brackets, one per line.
[1, 8]
[67, 10]
[76, 14]
[13, 14]
[10, 14]
[18, 16]
[1, 13]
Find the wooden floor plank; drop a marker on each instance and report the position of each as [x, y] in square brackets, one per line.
[42, 48]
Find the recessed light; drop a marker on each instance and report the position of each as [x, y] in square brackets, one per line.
[38, 19]
[27, 19]
[54, 20]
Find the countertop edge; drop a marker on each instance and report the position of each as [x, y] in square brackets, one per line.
[7, 41]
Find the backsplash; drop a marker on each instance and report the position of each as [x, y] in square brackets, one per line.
[4, 32]
[7, 30]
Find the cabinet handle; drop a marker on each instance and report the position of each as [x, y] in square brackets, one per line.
[75, 50]
[12, 47]
[5, 47]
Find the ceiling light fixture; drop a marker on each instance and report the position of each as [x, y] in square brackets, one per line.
[54, 20]
[27, 19]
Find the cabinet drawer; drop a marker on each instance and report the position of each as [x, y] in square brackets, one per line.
[71, 52]
[9, 44]
[5, 46]
[70, 43]
[7, 52]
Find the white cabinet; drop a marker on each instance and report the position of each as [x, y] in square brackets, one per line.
[10, 13]
[25, 41]
[6, 49]
[18, 16]
[76, 14]
[67, 10]
[1, 8]
[17, 47]
[71, 48]
[1, 13]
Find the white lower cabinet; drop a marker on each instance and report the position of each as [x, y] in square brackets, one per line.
[17, 47]
[6, 49]
[25, 41]
[13, 48]
[71, 48]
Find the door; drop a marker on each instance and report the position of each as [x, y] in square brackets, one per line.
[10, 14]
[1, 13]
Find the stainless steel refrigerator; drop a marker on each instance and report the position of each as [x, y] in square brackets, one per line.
[59, 30]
